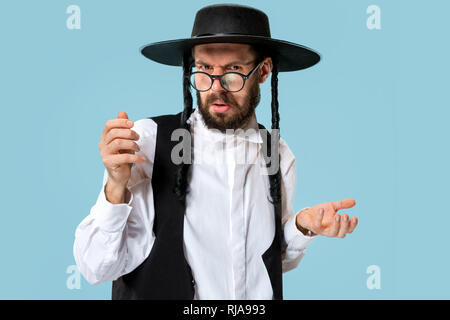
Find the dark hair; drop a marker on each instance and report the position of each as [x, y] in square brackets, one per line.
[275, 179]
[181, 179]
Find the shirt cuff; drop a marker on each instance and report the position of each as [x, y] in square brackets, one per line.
[294, 238]
[112, 217]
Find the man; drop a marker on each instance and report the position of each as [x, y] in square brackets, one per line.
[217, 229]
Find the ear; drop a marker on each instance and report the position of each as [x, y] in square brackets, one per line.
[265, 69]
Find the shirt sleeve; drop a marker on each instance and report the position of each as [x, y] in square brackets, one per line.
[294, 241]
[116, 238]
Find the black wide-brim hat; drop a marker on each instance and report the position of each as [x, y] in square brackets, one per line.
[232, 23]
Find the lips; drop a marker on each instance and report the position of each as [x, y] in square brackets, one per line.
[220, 107]
[220, 104]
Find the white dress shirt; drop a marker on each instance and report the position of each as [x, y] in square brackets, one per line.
[228, 225]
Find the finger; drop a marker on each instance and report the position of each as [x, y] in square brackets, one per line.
[343, 204]
[116, 123]
[105, 153]
[121, 144]
[353, 223]
[120, 133]
[122, 115]
[344, 226]
[335, 226]
[318, 218]
[115, 160]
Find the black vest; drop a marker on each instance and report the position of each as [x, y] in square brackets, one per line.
[165, 273]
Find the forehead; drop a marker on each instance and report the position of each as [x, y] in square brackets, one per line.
[222, 52]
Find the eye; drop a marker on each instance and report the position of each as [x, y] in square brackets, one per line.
[235, 68]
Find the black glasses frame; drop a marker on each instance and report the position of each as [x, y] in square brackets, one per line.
[212, 77]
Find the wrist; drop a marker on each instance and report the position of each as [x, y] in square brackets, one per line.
[115, 193]
[305, 232]
[302, 229]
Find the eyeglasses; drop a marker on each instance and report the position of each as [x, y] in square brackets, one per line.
[230, 81]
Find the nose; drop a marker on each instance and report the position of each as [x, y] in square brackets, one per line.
[216, 82]
[217, 86]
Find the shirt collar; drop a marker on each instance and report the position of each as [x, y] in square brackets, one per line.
[199, 126]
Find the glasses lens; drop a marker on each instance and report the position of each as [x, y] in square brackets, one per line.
[233, 82]
[200, 81]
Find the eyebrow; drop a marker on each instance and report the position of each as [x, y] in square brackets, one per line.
[227, 65]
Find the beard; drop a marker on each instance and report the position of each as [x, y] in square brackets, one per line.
[237, 116]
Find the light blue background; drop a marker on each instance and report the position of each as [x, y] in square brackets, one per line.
[369, 122]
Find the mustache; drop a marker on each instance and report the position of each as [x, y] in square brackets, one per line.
[213, 97]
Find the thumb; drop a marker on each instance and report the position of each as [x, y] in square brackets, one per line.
[343, 204]
[122, 115]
